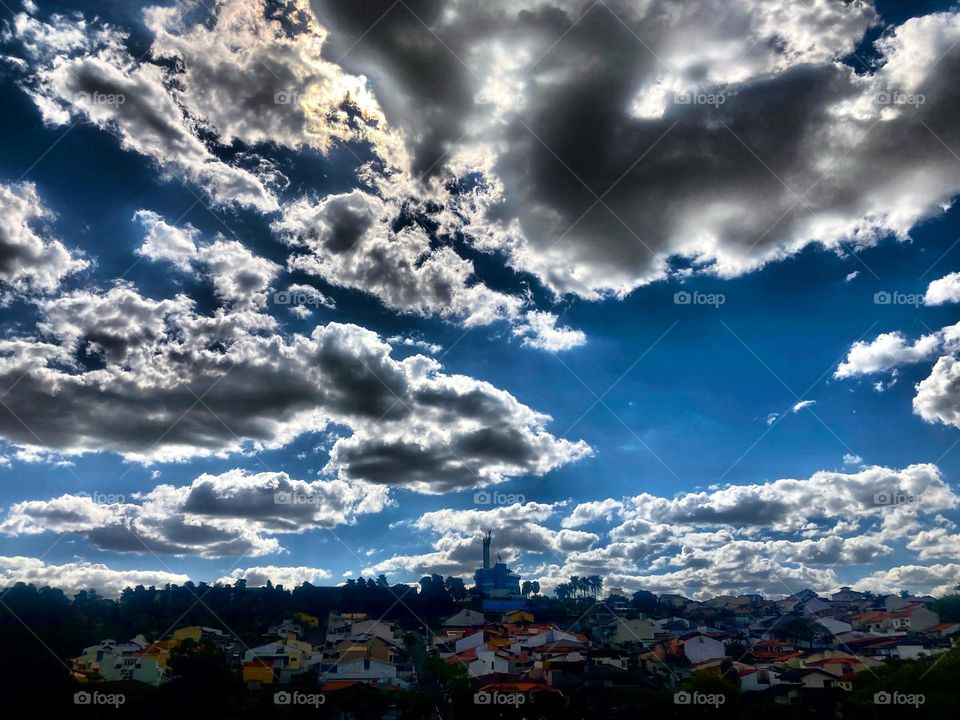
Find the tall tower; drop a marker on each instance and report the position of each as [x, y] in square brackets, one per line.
[486, 550]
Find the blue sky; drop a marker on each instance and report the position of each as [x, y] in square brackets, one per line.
[785, 368]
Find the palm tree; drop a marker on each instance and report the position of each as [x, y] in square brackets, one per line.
[595, 583]
[576, 584]
[563, 591]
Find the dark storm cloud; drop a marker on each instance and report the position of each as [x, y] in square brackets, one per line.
[176, 384]
[234, 513]
[798, 148]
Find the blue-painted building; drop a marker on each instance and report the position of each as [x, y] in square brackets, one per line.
[498, 581]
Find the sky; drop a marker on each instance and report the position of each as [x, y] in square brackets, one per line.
[664, 292]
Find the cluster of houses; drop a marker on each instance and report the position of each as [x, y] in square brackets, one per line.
[786, 648]
[142, 661]
[350, 648]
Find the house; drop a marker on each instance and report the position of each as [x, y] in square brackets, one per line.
[198, 633]
[913, 651]
[489, 661]
[258, 673]
[287, 627]
[839, 664]
[470, 642]
[555, 638]
[754, 679]
[620, 632]
[834, 626]
[846, 595]
[815, 607]
[287, 659]
[383, 630]
[671, 624]
[365, 646]
[942, 630]
[914, 617]
[672, 601]
[611, 658]
[767, 650]
[699, 648]
[517, 616]
[111, 661]
[809, 678]
[464, 619]
[368, 671]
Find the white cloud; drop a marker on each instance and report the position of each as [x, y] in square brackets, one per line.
[945, 290]
[540, 162]
[539, 330]
[259, 389]
[250, 77]
[916, 579]
[517, 529]
[96, 78]
[350, 241]
[588, 512]
[289, 577]
[234, 513]
[77, 576]
[29, 259]
[886, 352]
[240, 278]
[163, 241]
[938, 396]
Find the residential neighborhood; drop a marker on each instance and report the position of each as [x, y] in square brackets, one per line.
[802, 649]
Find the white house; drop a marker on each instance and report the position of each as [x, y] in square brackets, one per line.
[835, 626]
[631, 631]
[551, 637]
[465, 618]
[489, 661]
[469, 642]
[757, 679]
[845, 594]
[809, 678]
[699, 648]
[365, 670]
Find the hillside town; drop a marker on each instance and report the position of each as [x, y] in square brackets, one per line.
[513, 648]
